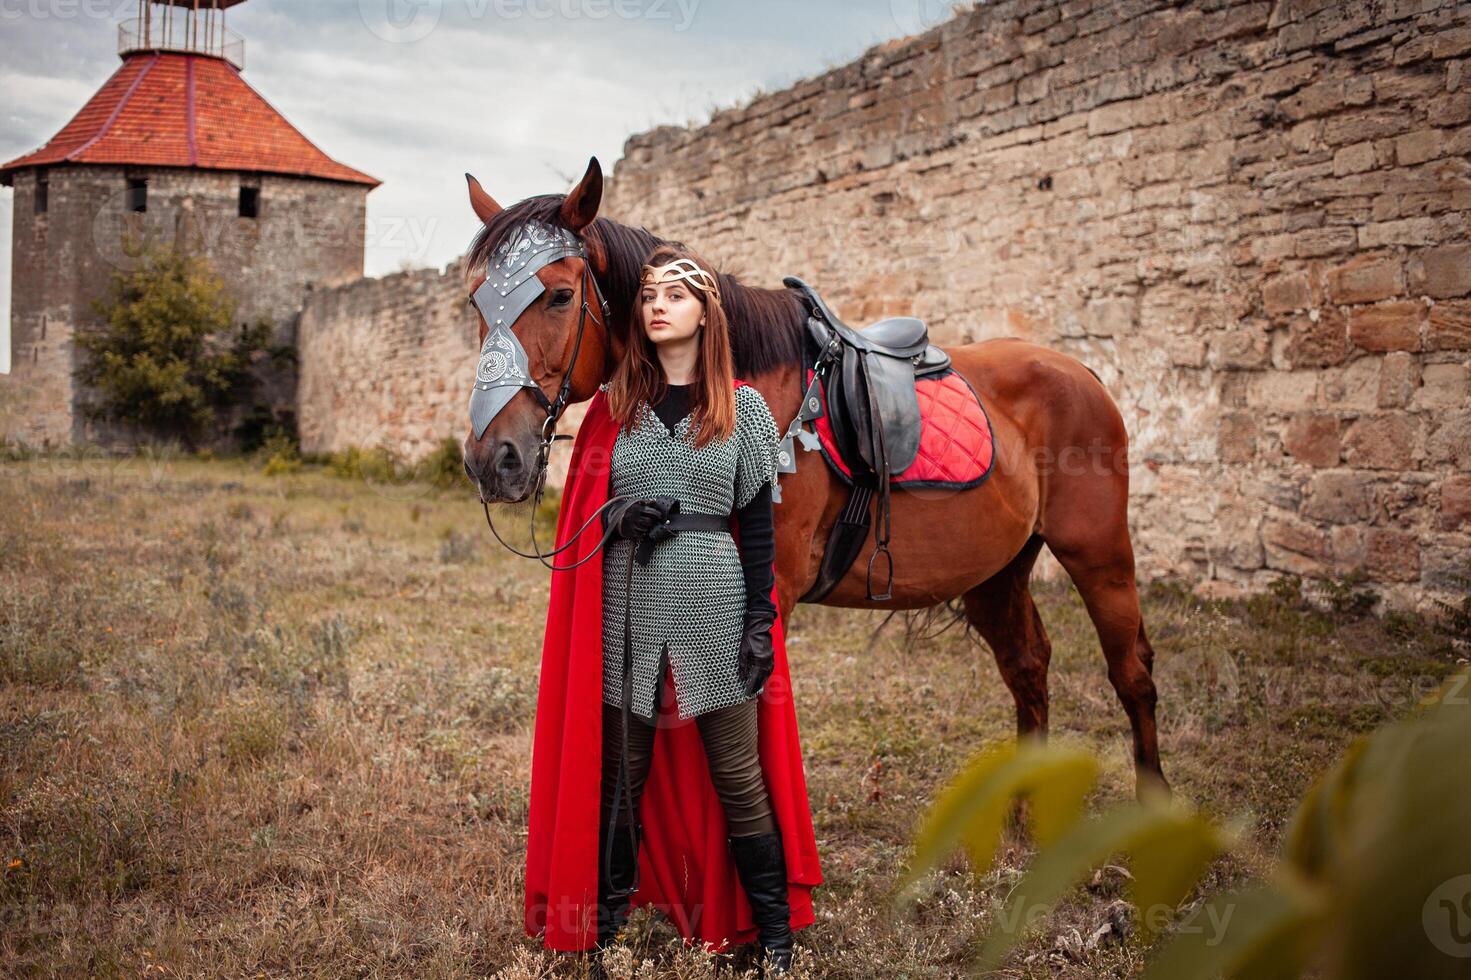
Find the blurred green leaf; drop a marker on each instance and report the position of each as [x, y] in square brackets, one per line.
[1266, 932]
[972, 810]
[1376, 879]
[1401, 888]
[1315, 839]
[1170, 845]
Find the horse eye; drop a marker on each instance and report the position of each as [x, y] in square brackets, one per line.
[562, 297]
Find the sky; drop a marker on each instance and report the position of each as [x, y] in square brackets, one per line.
[418, 92]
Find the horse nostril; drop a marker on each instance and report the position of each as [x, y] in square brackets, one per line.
[470, 470]
[507, 460]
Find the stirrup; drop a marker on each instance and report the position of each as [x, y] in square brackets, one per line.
[888, 585]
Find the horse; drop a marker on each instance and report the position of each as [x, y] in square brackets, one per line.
[978, 544]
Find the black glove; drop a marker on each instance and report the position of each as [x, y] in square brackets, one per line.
[757, 658]
[642, 521]
[633, 519]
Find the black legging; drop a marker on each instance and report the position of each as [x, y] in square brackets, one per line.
[729, 735]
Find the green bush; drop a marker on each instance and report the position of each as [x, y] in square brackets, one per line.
[445, 465]
[442, 467]
[1349, 596]
[355, 463]
[168, 356]
[280, 452]
[281, 462]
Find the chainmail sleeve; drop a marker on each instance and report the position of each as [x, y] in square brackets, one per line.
[757, 444]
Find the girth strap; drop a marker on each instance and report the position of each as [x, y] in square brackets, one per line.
[844, 542]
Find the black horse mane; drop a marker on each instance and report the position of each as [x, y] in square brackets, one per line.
[765, 324]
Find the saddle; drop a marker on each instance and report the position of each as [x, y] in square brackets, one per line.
[871, 401]
[875, 417]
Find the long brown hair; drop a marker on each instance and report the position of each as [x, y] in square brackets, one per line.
[639, 377]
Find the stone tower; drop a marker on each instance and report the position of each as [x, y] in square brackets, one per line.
[174, 147]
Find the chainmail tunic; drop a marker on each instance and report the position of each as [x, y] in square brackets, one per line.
[691, 594]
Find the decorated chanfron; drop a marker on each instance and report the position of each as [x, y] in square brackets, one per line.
[511, 285]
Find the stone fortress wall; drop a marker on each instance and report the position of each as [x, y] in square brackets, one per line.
[1249, 218]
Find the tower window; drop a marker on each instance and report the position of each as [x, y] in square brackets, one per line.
[42, 192]
[137, 194]
[249, 202]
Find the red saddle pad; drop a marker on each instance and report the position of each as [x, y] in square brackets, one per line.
[955, 441]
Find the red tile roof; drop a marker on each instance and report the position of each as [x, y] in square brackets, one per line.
[173, 109]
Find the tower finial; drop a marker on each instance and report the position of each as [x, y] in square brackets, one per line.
[189, 26]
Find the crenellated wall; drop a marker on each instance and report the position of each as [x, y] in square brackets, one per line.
[1249, 218]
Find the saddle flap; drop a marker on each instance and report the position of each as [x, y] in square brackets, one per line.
[892, 383]
[852, 395]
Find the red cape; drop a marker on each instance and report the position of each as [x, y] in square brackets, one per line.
[685, 867]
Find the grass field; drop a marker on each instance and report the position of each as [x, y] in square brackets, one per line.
[276, 726]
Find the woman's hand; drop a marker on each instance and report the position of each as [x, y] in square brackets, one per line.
[633, 519]
[757, 658]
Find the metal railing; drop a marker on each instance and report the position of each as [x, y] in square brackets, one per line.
[182, 34]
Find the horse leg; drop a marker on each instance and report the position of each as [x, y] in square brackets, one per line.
[1102, 568]
[1146, 652]
[1002, 611]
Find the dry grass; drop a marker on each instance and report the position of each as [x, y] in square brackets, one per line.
[256, 726]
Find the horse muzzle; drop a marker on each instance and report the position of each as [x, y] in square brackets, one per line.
[501, 471]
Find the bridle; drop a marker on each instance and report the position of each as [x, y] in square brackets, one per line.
[503, 369]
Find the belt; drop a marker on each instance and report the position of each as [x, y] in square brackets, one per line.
[666, 529]
[662, 531]
[697, 522]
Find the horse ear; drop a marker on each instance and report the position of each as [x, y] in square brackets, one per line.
[581, 205]
[484, 205]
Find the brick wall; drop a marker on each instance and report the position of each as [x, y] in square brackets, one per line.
[307, 233]
[1249, 218]
[387, 362]
[36, 397]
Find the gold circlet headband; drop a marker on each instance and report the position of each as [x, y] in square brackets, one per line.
[681, 269]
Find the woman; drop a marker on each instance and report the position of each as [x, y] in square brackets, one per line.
[697, 794]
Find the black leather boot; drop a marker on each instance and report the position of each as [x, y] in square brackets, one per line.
[613, 907]
[762, 868]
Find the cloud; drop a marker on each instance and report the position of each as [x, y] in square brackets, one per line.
[499, 88]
